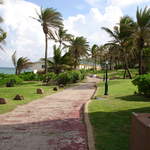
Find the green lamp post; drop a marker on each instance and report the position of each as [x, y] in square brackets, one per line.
[106, 78]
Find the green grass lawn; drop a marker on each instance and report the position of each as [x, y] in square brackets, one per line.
[111, 118]
[117, 73]
[27, 89]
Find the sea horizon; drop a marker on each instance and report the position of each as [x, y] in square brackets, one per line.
[10, 70]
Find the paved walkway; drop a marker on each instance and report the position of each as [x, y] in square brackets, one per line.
[52, 123]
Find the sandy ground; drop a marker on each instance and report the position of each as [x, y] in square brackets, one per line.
[51, 123]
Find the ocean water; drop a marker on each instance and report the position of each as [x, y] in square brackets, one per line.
[7, 70]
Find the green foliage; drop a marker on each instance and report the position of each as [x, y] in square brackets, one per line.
[143, 83]
[75, 76]
[63, 78]
[49, 77]
[78, 48]
[10, 80]
[29, 76]
[70, 77]
[83, 73]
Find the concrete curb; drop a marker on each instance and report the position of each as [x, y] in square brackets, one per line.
[90, 135]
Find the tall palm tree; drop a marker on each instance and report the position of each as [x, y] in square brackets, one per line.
[78, 48]
[50, 20]
[121, 39]
[21, 63]
[94, 51]
[2, 33]
[62, 36]
[142, 33]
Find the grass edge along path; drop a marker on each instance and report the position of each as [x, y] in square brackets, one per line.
[111, 118]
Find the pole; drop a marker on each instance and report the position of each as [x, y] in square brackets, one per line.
[106, 80]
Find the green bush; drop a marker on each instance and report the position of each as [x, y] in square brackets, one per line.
[64, 78]
[49, 77]
[83, 74]
[29, 76]
[10, 80]
[70, 77]
[75, 76]
[143, 84]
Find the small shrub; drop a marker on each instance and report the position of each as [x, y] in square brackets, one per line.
[75, 76]
[64, 78]
[49, 77]
[143, 84]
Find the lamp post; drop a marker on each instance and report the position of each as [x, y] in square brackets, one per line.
[106, 78]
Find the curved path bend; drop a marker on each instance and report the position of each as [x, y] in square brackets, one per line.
[51, 123]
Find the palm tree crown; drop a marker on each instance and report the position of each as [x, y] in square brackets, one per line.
[21, 63]
[78, 48]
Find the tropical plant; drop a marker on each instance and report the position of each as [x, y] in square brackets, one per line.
[59, 62]
[2, 33]
[50, 20]
[94, 51]
[143, 84]
[78, 49]
[121, 39]
[141, 34]
[21, 63]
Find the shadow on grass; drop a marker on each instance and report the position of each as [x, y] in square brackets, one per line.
[112, 129]
[137, 98]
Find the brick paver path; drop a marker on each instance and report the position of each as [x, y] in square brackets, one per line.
[52, 123]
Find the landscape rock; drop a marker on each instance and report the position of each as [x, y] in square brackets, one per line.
[19, 97]
[55, 89]
[3, 101]
[40, 91]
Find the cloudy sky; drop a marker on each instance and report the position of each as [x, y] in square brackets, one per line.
[81, 17]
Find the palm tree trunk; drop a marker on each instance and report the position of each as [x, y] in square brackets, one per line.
[95, 64]
[140, 62]
[141, 45]
[126, 67]
[46, 45]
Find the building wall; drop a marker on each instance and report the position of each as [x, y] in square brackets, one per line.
[37, 66]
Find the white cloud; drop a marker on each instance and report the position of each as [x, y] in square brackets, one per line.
[92, 2]
[89, 25]
[25, 35]
[124, 3]
[120, 3]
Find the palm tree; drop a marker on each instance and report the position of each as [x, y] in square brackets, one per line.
[2, 33]
[21, 63]
[59, 62]
[78, 49]
[121, 39]
[50, 19]
[94, 51]
[62, 36]
[142, 32]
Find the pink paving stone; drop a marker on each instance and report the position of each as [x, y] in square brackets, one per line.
[51, 123]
